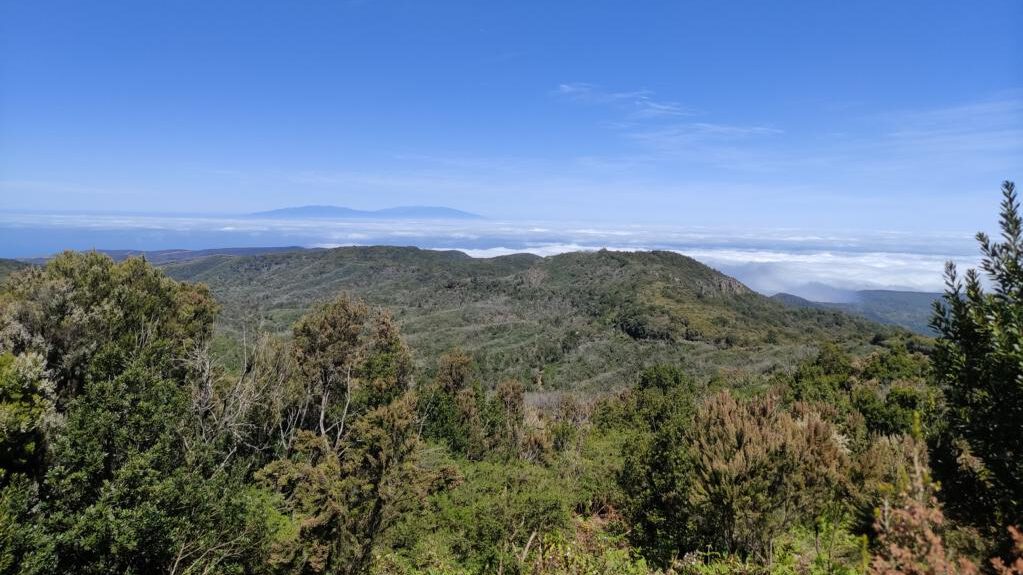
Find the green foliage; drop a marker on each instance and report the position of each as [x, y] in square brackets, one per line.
[8, 267]
[350, 469]
[893, 412]
[456, 410]
[24, 547]
[89, 316]
[759, 471]
[498, 508]
[508, 510]
[119, 487]
[135, 440]
[580, 321]
[588, 550]
[732, 475]
[828, 548]
[895, 363]
[910, 526]
[118, 477]
[824, 379]
[880, 394]
[978, 362]
[26, 411]
[115, 489]
[657, 473]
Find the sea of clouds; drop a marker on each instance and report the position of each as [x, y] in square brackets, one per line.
[815, 264]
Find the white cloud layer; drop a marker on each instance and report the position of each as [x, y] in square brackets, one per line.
[770, 261]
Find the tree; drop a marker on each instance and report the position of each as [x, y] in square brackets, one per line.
[758, 471]
[656, 477]
[909, 527]
[824, 378]
[139, 456]
[89, 316]
[350, 470]
[455, 408]
[978, 362]
[499, 513]
[116, 490]
[26, 411]
[1015, 564]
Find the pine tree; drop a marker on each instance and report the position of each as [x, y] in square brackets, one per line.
[979, 364]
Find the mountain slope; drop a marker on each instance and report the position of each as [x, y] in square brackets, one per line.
[576, 319]
[400, 212]
[911, 310]
[8, 266]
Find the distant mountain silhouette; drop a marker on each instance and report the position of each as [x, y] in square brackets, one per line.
[396, 213]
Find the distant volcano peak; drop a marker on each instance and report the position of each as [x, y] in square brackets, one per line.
[396, 213]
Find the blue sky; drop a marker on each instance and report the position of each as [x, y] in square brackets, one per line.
[819, 114]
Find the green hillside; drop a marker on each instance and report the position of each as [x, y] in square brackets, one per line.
[908, 309]
[911, 310]
[571, 320]
[8, 266]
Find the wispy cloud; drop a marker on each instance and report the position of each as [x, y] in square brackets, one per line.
[961, 149]
[684, 137]
[585, 92]
[989, 131]
[637, 104]
[862, 169]
[899, 150]
[664, 128]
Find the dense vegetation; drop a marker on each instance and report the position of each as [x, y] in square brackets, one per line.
[572, 321]
[9, 266]
[128, 445]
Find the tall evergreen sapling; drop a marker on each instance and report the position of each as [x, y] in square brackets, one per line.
[978, 362]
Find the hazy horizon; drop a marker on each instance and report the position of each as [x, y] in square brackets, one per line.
[876, 133]
[801, 261]
[874, 115]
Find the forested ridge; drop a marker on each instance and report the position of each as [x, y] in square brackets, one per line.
[149, 425]
[571, 321]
